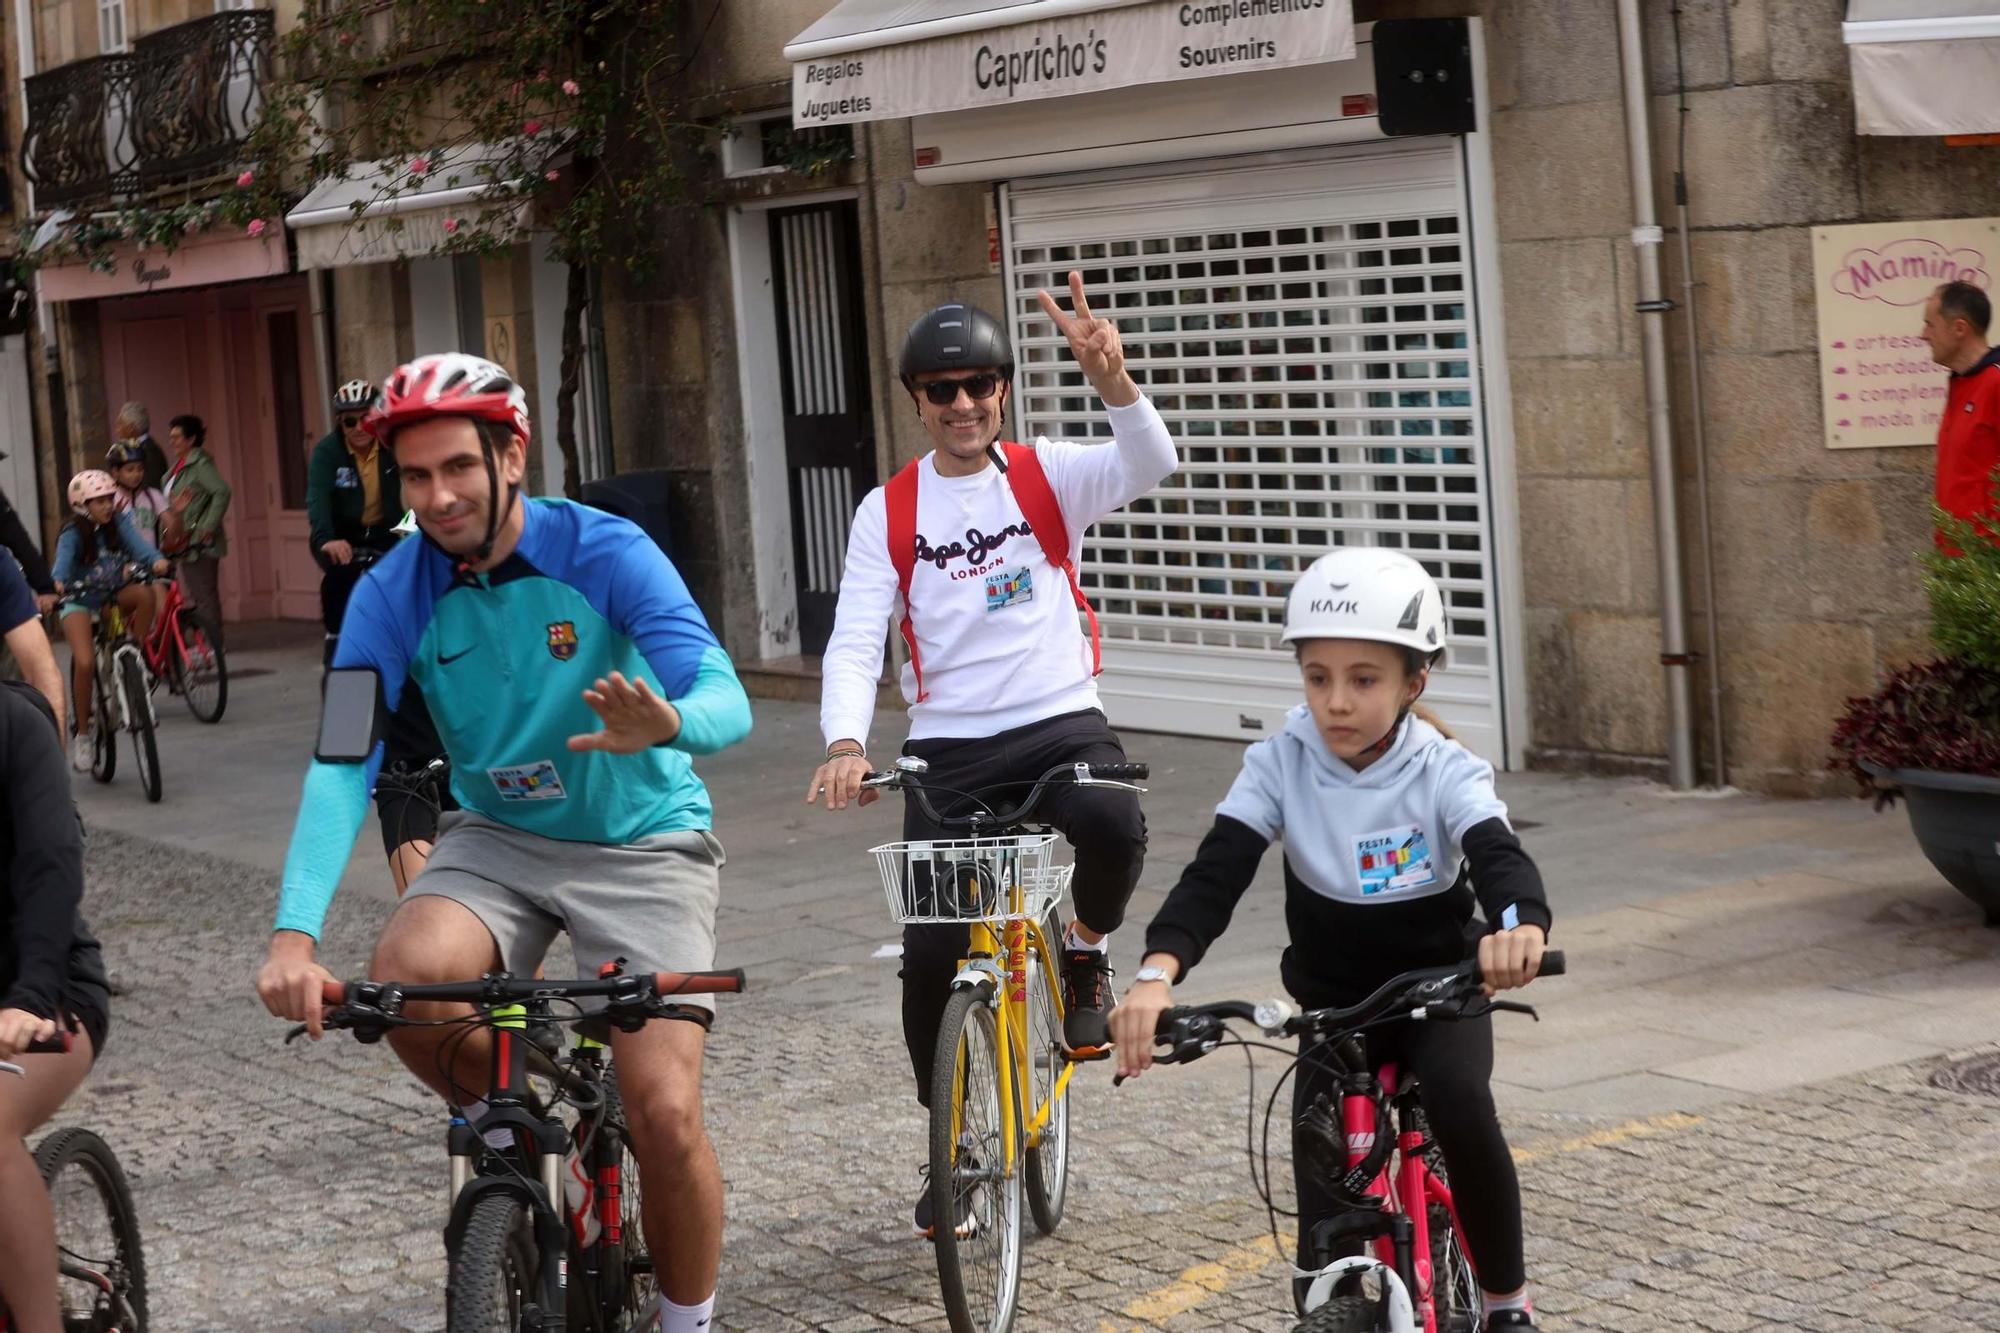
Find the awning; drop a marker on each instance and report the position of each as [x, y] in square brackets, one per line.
[388, 212]
[886, 59]
[210, 257]
[1924, 67]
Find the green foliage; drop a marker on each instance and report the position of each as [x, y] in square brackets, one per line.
[1964, 590]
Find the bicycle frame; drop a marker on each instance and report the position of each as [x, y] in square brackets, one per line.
[1404, 1246]
[1011, 1032]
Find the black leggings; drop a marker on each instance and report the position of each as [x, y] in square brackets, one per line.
[1453, 1065]
[1105, 826]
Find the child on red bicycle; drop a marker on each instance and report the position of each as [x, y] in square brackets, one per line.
[95, 556]
[1392, 830]
[125, 460]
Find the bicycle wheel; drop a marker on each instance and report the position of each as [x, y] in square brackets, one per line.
[974, 1197]
[145, 749]
[103, 731]
[97, 1234]
[1341, 1314]
[493, 1273]
[201, 673]
[1047, 1173]
[627, 1281]
[1455, 1294]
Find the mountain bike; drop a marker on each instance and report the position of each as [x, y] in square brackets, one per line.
[178, 650]
[1398, 1202]
[99, 1260]
[544, 1233]
[999, 1091]
[121, 678]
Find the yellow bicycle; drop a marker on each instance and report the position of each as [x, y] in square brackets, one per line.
[1000, 1082]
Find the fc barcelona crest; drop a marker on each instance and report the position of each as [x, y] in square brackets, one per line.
[562, 640]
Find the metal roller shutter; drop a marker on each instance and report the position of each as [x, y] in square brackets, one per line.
[1304, 323]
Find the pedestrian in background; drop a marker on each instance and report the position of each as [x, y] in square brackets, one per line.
[1968, 449]
[135, 423]
[197, 498]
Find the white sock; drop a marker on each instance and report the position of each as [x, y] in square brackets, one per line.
[501, 1137]
[686, 1318]
[1071, 940]
[1495, 1304]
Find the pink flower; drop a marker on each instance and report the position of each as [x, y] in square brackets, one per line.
[418, 166]
[243, 181]
[256, 227]
[569, 86]
[552, 175]
[532, 127]
[193, 226]
[450, 226]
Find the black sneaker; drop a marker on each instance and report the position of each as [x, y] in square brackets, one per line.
[1087, 1001]
[1514, 1320]
[923, 1222]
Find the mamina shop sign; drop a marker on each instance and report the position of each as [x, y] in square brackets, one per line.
[1879, 387]
[1081, 53]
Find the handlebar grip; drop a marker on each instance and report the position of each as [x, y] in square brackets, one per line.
[730, 982]
[1553, 964]
[333, 992]
[56, 1045]
[1121, 772]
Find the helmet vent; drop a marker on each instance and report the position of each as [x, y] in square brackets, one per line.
[1409, 620]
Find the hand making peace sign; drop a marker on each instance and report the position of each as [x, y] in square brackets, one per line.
[1094, 343]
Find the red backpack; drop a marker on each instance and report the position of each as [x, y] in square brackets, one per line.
[1038, 505]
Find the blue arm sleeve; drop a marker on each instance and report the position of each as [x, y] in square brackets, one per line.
[650, 603]
[331, 809]
[715, 712]
[65, 569]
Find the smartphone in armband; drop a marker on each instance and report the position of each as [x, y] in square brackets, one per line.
[350, 715]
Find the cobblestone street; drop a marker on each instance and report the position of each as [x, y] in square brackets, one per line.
[1724, 1121]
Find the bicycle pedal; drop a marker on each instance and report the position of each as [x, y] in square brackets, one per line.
[1087, 1055]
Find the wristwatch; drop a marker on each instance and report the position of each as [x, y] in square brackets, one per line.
[1153, 972]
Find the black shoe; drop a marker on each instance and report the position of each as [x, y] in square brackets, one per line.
[1515, 1320]
[1086, 1000]
[922, 1221]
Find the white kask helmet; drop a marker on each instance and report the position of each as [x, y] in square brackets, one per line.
[1368, 592]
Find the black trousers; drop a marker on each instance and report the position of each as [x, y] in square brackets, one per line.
[1453, 1065]
[1105, 827]
[337, 582]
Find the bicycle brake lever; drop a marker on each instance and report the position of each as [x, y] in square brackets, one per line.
[295, 1034]
[1513, 1007]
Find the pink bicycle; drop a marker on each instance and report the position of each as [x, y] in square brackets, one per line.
[1391, 1261]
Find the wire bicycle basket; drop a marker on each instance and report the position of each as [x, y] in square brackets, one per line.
[939, 880]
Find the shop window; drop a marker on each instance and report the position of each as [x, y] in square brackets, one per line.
[288, 405]
[110, 25]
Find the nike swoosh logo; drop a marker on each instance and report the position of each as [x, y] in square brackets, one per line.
[447, 661]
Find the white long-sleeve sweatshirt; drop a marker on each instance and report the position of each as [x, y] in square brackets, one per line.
[999, 636]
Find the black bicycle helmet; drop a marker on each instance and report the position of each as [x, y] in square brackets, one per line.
[955, 337]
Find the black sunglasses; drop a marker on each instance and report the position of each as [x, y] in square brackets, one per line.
[349, 423]
[943, 393]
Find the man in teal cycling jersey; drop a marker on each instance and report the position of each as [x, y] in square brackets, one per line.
[571, 677]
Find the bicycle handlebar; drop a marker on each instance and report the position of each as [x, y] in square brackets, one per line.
[498, 989]
[1118, 776]
[56, 1045]
[1192, 1031]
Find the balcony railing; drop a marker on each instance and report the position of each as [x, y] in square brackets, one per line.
[178, 108]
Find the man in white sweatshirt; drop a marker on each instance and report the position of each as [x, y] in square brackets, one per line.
[1001, 683]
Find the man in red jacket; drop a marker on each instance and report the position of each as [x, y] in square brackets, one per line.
[1955, 321]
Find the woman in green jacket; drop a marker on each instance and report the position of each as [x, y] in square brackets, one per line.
[199, 497]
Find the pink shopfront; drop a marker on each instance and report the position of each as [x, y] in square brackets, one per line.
[220, 329]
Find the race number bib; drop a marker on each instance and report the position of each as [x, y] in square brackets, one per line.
[1394, 861]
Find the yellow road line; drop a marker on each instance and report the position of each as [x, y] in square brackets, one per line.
[1195, 1285]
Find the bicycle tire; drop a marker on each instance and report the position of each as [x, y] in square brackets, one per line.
[145, 748]
[627, 1269]
[200, 669]
[967, 1075]
[493, 1271]
[1046, 1174]
[1455, 1296]
[103, 734]
[1340, 1314]
[126, 1265]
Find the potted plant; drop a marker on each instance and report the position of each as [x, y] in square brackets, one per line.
[1930, 732]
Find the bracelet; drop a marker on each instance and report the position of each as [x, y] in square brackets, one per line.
[846, 754]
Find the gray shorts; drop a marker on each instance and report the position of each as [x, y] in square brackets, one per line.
[651, 902]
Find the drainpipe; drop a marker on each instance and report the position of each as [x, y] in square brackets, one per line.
[1646, 240]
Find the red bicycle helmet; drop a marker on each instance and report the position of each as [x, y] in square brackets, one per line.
[449, 384]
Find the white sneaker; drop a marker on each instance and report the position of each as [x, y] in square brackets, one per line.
[79, 752]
